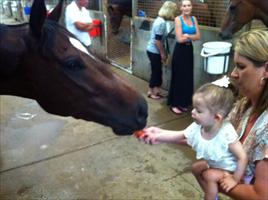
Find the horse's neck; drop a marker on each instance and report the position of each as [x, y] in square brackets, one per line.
[16, 86]
[262, 4]
[262, 16]
[14, 80]
[124, 5]
[12, 49]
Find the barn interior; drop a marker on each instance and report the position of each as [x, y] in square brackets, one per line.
[45, 156]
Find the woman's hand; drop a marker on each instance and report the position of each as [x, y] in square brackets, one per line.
[186, 37]
[227, 182]
[163, 57]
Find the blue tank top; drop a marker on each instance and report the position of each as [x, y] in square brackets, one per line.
[186, 29]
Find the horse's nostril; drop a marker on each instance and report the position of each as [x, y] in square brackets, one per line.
[221, 35]
[115, 32]
[225, 35]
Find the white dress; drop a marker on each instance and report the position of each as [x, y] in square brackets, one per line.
[74, 14]
[216, 150]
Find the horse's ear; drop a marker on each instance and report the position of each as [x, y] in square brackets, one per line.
[110, 10]
[56, 12]
[37, 17]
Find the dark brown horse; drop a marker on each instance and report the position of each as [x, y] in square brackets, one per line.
[117, 9]
[240, 12]
[43, 61]
[262, 4]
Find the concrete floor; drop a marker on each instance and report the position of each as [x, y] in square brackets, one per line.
[44, 156]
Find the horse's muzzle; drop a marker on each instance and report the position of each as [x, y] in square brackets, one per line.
[137, 121]
[225, 35]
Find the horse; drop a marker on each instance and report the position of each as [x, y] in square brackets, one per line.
[262, 4]
[240, 12]
[45, 62]
[117, 9]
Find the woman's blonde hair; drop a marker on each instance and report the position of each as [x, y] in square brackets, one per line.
[254, 46]
[219, 100]
[168, 10]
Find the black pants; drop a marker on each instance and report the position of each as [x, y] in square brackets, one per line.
[156, 69]
[181, 85]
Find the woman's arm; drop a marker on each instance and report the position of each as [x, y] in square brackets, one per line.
[256, 191]
[178, 31]
[161, 49]
[195, 36]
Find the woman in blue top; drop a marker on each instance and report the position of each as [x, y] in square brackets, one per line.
[155, 48]
[181, 85]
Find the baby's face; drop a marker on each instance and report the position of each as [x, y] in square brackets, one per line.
[200, 113]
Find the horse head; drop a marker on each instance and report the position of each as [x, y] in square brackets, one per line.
[45, 62]
[116, 10]
[239, 13]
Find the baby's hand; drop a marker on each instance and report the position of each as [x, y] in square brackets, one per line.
[228, 182]
[149, 135]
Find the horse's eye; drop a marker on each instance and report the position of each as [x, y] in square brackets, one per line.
[232, 8]
[73, 65]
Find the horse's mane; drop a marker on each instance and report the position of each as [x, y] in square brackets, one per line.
[6, 27]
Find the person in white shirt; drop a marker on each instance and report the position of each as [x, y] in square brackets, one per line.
[78, 21]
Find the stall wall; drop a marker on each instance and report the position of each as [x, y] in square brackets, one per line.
[98, 46]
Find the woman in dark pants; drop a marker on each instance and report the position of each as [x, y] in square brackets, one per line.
[156, 75]
[155, 48]
[181, 86]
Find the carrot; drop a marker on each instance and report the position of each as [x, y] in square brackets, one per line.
[139, 133]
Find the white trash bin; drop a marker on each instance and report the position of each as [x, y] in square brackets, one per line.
[216, 57]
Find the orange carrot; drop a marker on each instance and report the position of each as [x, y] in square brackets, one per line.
[139, 133]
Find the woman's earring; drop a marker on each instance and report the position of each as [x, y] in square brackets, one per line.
[262, 80]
